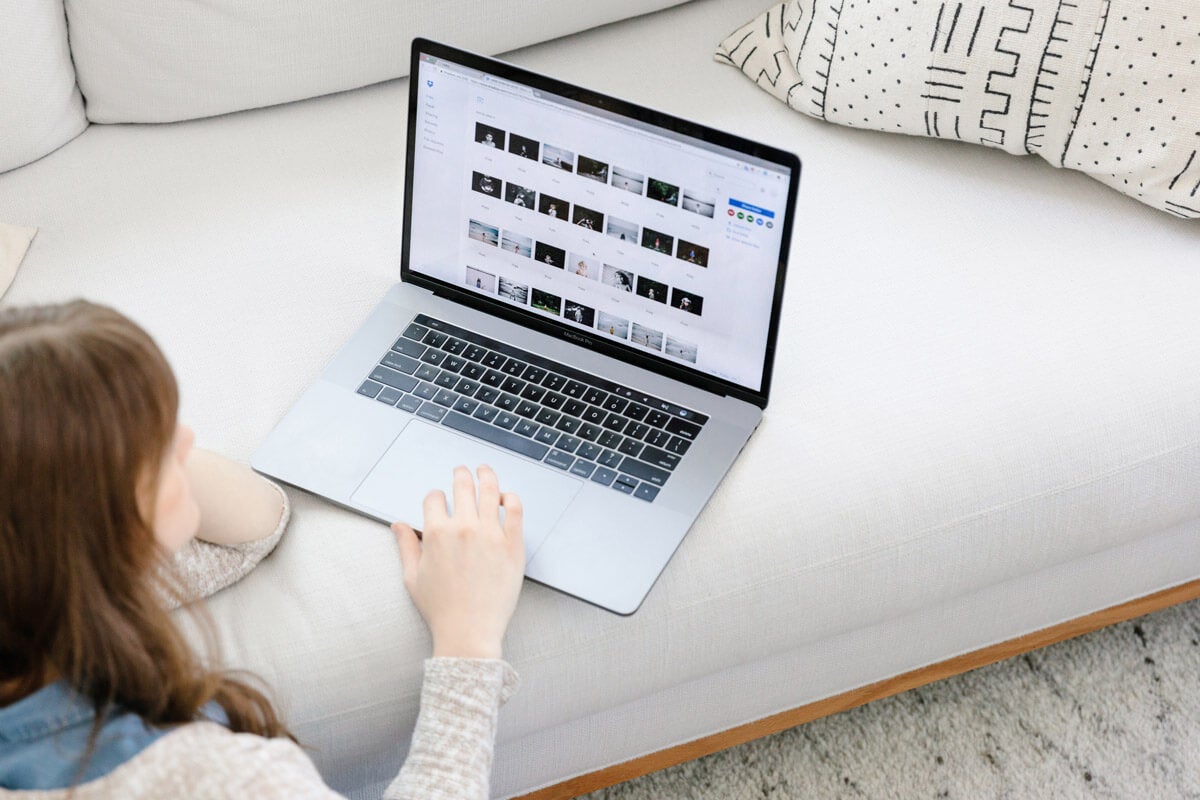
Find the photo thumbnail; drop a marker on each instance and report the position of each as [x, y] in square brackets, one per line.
[579, 313]
[516, 243]
[510, 290]
[686, 301]
[485, 184]
[704, 206]
[481, 280]
[550, 255]
[663, 192]
[628, 180]
[583, 266]
[684, 351]
[553, 206]
[588, 219]
[617, 278]
[482, 232]
[652, 289]
[489, 136]
[657, 241]
[591, 168]
[646, 337]
[692, 253]
[544, 301]
[612, 325]
[523, 146]
[519, 195]
[622, 229]
[558, 157]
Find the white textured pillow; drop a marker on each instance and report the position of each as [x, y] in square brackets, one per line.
[40, 108]
[167, 60]
[1107, 87]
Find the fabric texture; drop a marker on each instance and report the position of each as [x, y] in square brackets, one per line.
[14, 242]
[206, 761]
[149, 61]
[1107, 87]
[40, 107]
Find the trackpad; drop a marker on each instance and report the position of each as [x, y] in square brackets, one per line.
[423, 458]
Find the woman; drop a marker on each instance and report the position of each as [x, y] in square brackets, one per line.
[103, 506]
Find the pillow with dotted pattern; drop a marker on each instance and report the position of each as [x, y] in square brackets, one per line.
[1107, 87]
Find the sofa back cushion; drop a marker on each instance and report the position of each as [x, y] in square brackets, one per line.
[167, 60]
[40, 106]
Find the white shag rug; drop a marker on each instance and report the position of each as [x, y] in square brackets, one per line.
[1112, 714]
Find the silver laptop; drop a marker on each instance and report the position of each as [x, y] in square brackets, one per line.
[589, 302]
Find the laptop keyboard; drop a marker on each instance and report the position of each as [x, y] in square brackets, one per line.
[582, 424]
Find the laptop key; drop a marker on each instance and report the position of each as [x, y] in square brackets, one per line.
[370, 389]
[657, 419]
[408, 347]
[409, 403]
[646, 492]
[507, 402]
[546, 435]
[610, 458]
[432, 356]
[614, 403]
[486, 395]
[435, 339]
[454, 363]
[445, 398]
[405, 383]
[557, 458]
[567, 443]
[513, 367]
[589, 451]
[658, 438]
[493, 360]
[636, 430]
[678, 446]
[466, 405]
[548, 416]
[554, 400]
[415, 332]
[527, 409]
[492, 378]
[525, 428]
[688, 430]
[454, 346]
[401, 363]
[506, 420]
[640, 469]
[431, 411]
[534, 393]
[464, 386]
[596, 414]
[613, 422]
[533, 374]
[582, 468]
[574, 389]
[609, 439]
[630, 447]
[589, 432]
[619, 485]
[568, 424]
[604, 476]
[659, 458]
[497, 436]
[595, 396]
[427, 372]
[474, 352]
[425, 391]
[554, 382]
[486, 413]
[473, 371]
[389, 395]
[446, 380]
[636, 412]
[574, 407]
[513, 385]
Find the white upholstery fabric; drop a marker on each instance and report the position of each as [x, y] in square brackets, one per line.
[154, 61]
[965, 441]
[40, 107]
[1107, 87]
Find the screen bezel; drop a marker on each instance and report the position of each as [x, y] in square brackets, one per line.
[529, 318]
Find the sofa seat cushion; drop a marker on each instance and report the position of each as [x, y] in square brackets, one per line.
[985, 369]
[1106, 87]
[40, 107]
[150, 61]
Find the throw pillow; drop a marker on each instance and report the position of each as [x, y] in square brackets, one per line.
[1107, 87]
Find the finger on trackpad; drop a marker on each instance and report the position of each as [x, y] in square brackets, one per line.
[423, 458]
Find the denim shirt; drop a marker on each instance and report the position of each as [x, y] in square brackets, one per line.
[43, 737]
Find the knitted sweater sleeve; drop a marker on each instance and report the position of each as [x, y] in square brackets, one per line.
[204, 568]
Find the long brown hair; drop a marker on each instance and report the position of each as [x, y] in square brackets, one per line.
[88, 408]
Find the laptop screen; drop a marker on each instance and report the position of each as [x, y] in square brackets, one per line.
[574, 210]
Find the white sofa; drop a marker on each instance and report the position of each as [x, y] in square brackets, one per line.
[985, 424]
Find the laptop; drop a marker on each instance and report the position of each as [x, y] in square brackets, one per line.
[589, 301]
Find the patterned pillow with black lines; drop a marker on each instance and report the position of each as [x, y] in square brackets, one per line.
[1107, 87]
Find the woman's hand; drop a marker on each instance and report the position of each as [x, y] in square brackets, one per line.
[465, 572]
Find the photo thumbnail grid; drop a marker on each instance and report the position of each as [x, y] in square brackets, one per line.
[618, 176]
